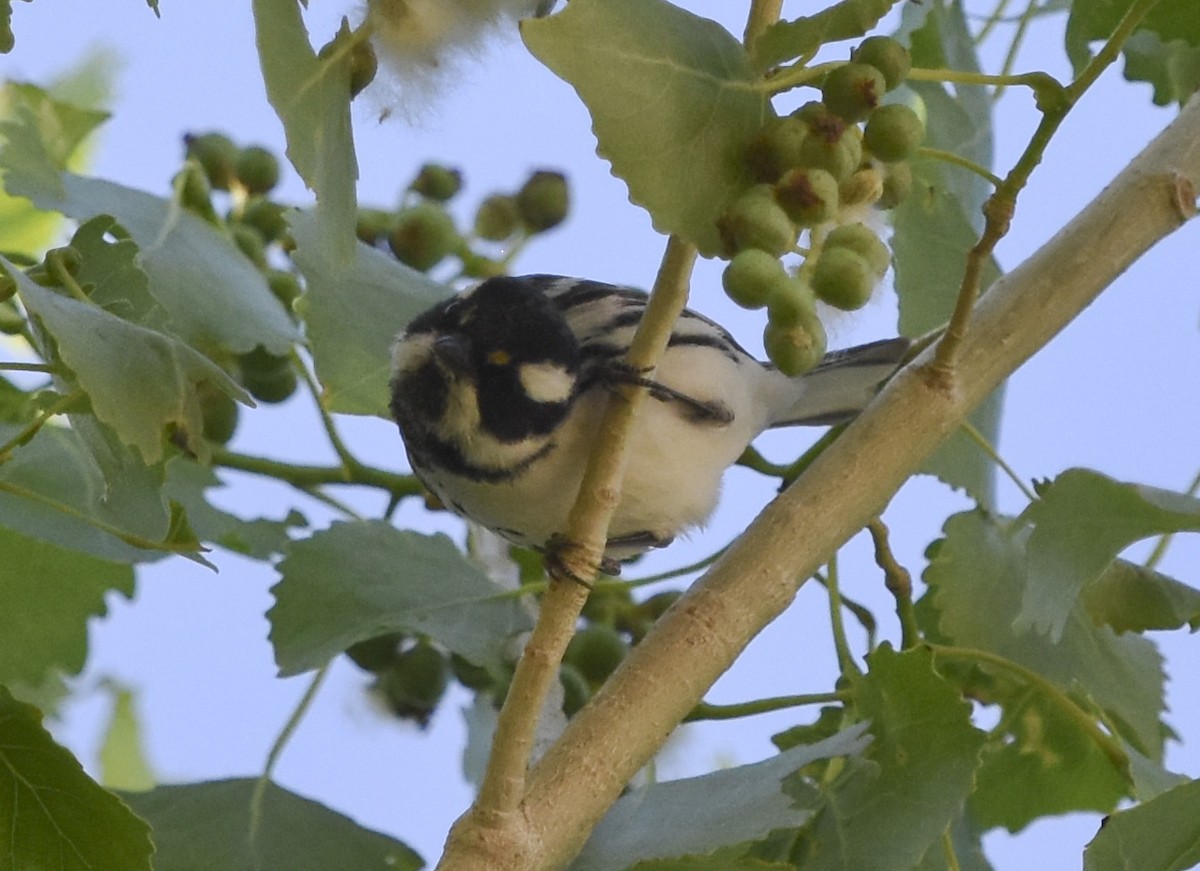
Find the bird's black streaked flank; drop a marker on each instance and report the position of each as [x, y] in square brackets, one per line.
[498, 393]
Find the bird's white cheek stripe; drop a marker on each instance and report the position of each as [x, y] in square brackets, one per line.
[461, 419]
[546, 382]
[411, 352]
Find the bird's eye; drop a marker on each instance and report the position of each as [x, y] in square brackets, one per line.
[499, 358]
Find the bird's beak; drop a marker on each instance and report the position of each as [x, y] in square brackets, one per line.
[454, 352]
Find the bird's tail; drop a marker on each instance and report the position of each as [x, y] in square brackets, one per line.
[843, 383]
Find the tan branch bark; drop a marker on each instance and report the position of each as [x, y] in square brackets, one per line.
[698, 639]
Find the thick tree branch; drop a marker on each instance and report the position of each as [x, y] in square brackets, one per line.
[667, 674]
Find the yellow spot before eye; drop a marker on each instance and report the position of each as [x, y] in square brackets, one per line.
[499, 358]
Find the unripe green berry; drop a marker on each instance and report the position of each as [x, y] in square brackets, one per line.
[284, 285]
[363, 66]
[477, 266]
[218, 411]
[217, 155]
[843, 279]
[472, 676]
[576, 691]
[605, 603]
[775, 148]
[755, 220]
[373, 225]
[832, 145]
[864, 242]
[266, 217]
[797, 348]
[250, 242]
[257, 169]
[194, 191]
[376, 654]
[897, 184]
[596, 650]
[437, 182]
[11, 322]
[809, 196]
[893, 132]
[792, 303]
[887, 55]
[852, 90]
[543, 200]
[863, 186]
[423, 235]
[752, 276]
[416, 683]
[268, 378]
[497, 218]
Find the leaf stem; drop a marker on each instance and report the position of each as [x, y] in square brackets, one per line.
[1010, 57]
[1038, 81]
[708, 711]
[305, 477]
[988, 448]
[1160, 547]
[948, 851]
[31, 429]
[846, 664]
[6, 366]
[958, 160]
[279, 745]
[1055, 102]
[864, 616]
[1104, 742]
[898, 581]
[127, 537]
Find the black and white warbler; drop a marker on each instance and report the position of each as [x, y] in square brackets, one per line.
[498, 392]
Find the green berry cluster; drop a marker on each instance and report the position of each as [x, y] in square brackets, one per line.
[231, 187]
[410, 674]
[813, 171]
[423, 234]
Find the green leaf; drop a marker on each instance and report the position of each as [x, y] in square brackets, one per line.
[977, 580]
[52, 814]
[1082, 521]
[7, 40]
[1097, 19]
[358, 580]
[1047, 765]
[1162, 834]
[42, 134]
[802, 36]
[84, 87]
[213, 294]
[673, 99]
[139, 381]
[123, 762]
[697, 815]
[47, 596]
[353, 313]
[186, 484]
[52, 490]
[1173, 68]
[207, 825]
[941, 221]
[311, 96]
[1130, 598]
[966, 839]
[118, 284]
[886, 809]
